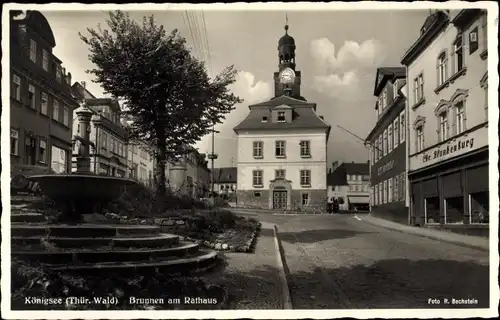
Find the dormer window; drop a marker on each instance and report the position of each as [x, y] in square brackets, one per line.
[58, 73]
[281, 116]
[264, 119]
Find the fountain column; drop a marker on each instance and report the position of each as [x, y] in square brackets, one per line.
[83, 159]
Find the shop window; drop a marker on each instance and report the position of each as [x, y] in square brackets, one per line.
[479, 207]
[454, 210]
[432, 210]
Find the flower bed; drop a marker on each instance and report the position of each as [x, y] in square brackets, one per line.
[112, 292]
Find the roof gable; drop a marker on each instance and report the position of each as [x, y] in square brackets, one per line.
[41, 26]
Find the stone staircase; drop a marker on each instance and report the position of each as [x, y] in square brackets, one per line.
[96, 248]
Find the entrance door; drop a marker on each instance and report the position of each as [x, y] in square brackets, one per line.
[279, 199]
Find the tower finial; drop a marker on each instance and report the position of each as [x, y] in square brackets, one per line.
[286, 23]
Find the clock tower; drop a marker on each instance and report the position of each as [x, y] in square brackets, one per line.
[287, 79]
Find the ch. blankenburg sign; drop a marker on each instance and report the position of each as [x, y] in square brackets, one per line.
[461, 145]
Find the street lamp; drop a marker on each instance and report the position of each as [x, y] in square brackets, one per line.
[212, 156]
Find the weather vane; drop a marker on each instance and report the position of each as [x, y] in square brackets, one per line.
[286, 22]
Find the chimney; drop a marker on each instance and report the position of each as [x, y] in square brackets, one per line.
[68, 78]
[64, 71]
[84, 84]
[330, 170]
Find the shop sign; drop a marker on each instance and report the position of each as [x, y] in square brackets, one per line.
[386, 167]
[455, 147]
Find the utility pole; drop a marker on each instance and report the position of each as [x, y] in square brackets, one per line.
[212, 156]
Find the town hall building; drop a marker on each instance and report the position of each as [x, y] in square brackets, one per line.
[282, 145]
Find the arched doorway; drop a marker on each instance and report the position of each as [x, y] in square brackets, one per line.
[280, 195]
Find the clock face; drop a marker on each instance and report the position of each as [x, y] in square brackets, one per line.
[287, 76]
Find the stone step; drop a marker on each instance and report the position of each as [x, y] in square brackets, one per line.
[202, 261]
[27, 217]
[155, 241]
[68, 257]
[84, 230]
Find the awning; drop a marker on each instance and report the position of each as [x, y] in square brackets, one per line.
[359, 200]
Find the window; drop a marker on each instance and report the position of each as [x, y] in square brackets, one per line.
[14, 142]
[454, 210]
[30, 151]
[402, 180]
[384, 192]
[402, 127]
[55, 110]
[395, 89]
[384, 146]
[390, 141]
[418, 84]
[395, 127]
[484, 28]
[256, 194]
[45, 60]
[257, 178]
[103, 139]
[42, 151]
[280, 148]
[58, 73]
[380, 193]
[305, 148]
[458, 52]
[420, 138]
[375, 196]
[380, 147]
[281, 116]
[66, 116]
[257, 149]
[305, 177]
[384, 98]
[395, 192]
[279, 174]
[44, 103]
[264, 119]
[432, 210]
[460, 117]
[305, 199]
[443, 126]
[31, 96]
[32, 50]
[389, 190]
[16, 87]
[479, 207]
[441, 69]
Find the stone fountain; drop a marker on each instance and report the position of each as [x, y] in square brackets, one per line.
[82, 191]
[75, 246]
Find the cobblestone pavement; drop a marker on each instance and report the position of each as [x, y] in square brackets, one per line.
[342, 262]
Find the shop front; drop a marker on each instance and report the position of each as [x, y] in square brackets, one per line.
[453, 191]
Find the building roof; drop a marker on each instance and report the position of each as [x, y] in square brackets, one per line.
[304, 116]
[387, 73]
[339, 176]
[225, 175]
[38, 22]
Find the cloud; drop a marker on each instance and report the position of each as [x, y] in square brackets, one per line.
[251, 91]
[351, 56]
[344, 86]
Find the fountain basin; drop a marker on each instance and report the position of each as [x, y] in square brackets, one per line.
[81, 186]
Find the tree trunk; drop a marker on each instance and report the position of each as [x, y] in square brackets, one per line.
[161, 189]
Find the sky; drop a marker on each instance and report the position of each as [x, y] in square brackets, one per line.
[337, 52]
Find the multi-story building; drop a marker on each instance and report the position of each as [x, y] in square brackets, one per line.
[282, 145]
[141, 164]
[387, 141]
[41, 104]
[107, 135]
[349, 186]
[225, 180]
[448, 121]
[189, 175]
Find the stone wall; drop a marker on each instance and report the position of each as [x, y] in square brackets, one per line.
[247, 199]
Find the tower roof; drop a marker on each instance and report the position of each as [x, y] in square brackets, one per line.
[286, 40]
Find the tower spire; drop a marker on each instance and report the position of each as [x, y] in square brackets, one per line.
[286, 23]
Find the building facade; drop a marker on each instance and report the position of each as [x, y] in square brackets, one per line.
[189, 175]
[388, 148]
[108, 136]
[225, 180]
[349, 186]
[448, 122]
[41, 104]
[282, 145]
[141, 164]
